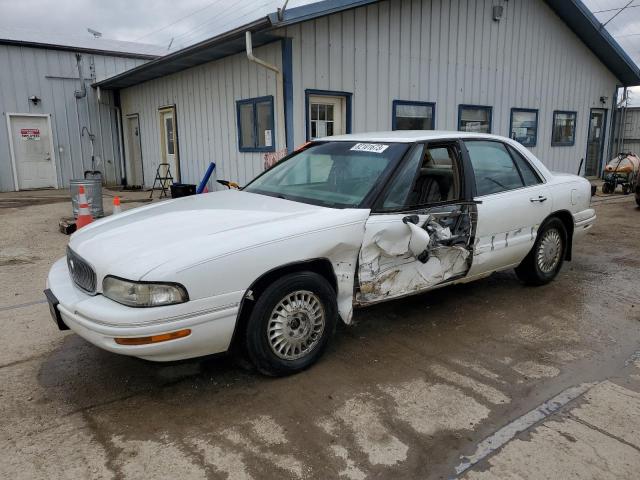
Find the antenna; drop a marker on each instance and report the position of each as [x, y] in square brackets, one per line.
[170, 43]
[95, 33]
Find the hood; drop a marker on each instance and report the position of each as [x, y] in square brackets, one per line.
[189, 230]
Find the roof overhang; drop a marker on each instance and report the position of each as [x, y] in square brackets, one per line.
[226, 44]
[587, 27]
[79, 49]
[573, 12]
[221, 46]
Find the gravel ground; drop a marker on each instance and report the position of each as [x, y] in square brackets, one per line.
[452, 382]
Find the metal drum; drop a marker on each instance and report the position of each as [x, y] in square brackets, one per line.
[93, 190]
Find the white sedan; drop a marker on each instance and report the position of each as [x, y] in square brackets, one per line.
[344, 222]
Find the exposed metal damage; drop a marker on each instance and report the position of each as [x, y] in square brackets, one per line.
[405, 254]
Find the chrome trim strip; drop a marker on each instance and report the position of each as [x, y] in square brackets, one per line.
[160, 321]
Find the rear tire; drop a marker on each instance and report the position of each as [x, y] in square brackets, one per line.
[291, 324]
[545, 259]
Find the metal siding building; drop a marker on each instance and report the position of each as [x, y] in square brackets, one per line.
[627, 139]
[205, 104]
[452, 53]
[540, 55]
[50, 72]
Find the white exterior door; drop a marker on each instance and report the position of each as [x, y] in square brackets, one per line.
[169, 141]
[32, 151]
[135, 151]
[327, 116]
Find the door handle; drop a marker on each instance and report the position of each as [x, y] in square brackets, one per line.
[540, 199]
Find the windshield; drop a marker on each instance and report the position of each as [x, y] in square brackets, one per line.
[332, 174]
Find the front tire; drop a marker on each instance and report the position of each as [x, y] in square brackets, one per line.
[291, 324]
[545, 259]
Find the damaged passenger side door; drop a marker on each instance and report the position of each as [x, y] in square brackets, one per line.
[420, 231]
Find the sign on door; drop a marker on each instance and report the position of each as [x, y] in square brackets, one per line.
[30, 134]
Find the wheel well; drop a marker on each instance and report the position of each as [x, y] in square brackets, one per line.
[321, 266]
[567, 219]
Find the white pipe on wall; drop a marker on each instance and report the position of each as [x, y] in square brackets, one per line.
[280, 124]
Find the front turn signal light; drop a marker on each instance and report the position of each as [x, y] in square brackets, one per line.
[163, 337]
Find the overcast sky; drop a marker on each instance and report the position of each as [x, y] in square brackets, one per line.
[157, 21]
[148, 21]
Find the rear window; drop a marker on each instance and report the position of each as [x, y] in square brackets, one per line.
[493, 167]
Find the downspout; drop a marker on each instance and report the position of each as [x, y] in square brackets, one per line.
[279, 89]
[623, 119]
[123, 173]
[281, 10]
[83, 87]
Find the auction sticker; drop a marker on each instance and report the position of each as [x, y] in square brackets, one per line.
[369, 147]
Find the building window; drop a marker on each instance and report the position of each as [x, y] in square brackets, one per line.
[256, 125]
[564, 129]
[413, 115]
[474, 118]
[328, 113]
[524, 126]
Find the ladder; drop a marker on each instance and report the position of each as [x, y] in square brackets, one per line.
[163, 182]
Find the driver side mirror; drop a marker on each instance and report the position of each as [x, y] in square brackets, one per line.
[420, 239]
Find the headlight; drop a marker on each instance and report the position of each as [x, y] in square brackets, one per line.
[143, 294]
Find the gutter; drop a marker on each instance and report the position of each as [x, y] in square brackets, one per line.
[111, 82]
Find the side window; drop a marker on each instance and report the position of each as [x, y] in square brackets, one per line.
[524, 126]
[255, 125]
[412, 115]
[474, 118]
[564, 129]
[430, 176]
[493, 167]
[529, 175]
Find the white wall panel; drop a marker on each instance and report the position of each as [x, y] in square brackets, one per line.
[52, 75]
[205, 98]
[452, 52]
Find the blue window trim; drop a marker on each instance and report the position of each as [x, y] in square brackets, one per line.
[287, 74]
[475, 107]
[395, 104]
[529, 110]
[254, 101]
[553, 126]
[348, 96]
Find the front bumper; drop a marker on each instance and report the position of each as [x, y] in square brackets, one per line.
[583, 221]
[100, 320]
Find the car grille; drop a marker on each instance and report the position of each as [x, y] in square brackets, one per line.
[81, 272]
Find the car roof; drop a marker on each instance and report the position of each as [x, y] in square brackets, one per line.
[407, 136]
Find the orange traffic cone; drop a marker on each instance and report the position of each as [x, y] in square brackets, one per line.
[84, 214]
[116, 206]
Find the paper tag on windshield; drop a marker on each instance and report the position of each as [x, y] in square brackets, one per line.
[369, 147]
